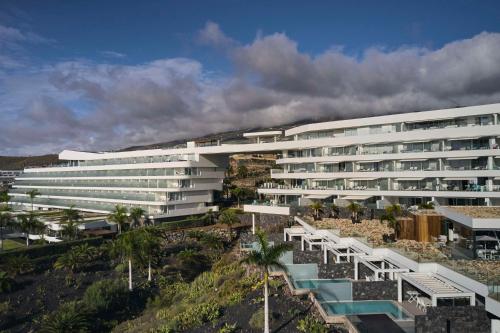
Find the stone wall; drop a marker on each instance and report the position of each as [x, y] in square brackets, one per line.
[336, 271]
[456, 319]
[376, 290]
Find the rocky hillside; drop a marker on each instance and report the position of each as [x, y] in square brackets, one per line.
[20, 162]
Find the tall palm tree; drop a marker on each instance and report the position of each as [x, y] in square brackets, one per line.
[149, 243]
[267, 256]
[239, 193]
[30, 224]
[137, 215]
[33, 194]
[355, 210]
[317, 207]
[128, 246]
[6, 220]
[70, 218]
[119, 216]
[229, 218]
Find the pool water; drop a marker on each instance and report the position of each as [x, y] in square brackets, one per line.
[365, 307]
[315, 284]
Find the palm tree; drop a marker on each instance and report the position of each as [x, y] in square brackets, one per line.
[335, 210]
[69, 317]
[150, 243]
[30, 224]
[355, 210]
[317, 208]
[119, 216]
[128, 246]
[239, 193]
[390, 215]
[16, 265]
[33, 194]
[229, 218]
[137, 215]
[5, 198]
[70, 218]
[263, 259]
[6, 220]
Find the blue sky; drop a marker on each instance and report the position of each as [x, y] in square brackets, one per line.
[109, 74]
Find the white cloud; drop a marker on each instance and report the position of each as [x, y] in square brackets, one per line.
[94, 106]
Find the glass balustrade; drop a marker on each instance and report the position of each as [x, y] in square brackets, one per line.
[151, 183]
[135, 160]
[120, 173]
[96, 194]
[467, 144]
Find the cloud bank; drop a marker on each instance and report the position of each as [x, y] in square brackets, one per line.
[86, 105]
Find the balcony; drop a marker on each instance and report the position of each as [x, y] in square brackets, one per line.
[267, 207]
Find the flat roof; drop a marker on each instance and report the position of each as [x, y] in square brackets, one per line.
[484, 212]
[265, 133]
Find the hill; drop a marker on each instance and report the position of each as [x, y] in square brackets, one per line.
[20, 162]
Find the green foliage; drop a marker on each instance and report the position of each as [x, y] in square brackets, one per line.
[6, 282]
[119, 216]
[4, 307]
[427, 205]
[228, 328]
[18, 265]
[69, 317]
[52, 249]
[311, 325]
[78, 257]
[257, 320]
[106, 295]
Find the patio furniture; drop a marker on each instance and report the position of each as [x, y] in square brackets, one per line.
[412, 296]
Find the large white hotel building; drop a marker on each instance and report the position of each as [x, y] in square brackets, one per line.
[448, 156]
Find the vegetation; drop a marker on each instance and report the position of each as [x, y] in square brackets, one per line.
[69, 317]
[6, 282]
[120, 217]
[317, 208]
[32, 195]
[311, 325]
[6, 221]
[70, 218]
[263, 259]
[128, 247]
[391, 214]
[335, 210]
[426, 205]
[137, 216]
[356, 211]
[30, 224]
[229, 218]
[18, 265]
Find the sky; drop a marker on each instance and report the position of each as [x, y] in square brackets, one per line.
[103, 75]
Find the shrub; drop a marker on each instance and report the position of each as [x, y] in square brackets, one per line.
[311, 325]
[69, 317]
[4, 307]
[5, 282]
[228, 328]
[257, 320]
[196, 315]
[106, 295]
[18, 265]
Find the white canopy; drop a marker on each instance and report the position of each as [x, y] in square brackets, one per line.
[357, 197]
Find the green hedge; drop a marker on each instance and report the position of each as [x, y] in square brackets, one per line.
[37, 251]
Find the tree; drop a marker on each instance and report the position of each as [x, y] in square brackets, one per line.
[6, 282]
[30, 224]
[137, 216]
[229, 218]
[6, 221]
[239, 193]
[149, 246]
[317, 207]
[263, 259]
[335, 210]
[5, 198]
[16, 265]
[355, 210]
[390, 215]
[242, 171]
[119, 216]
[33, 194]
[70, 218]
[128, 246]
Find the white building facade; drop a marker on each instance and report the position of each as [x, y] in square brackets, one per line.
[448, 156]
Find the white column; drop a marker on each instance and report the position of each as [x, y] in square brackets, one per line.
[400, 289]
[434, 300]
[302, 243]
[356, 273]
[325, 255]
[284, 235]
[348, 256]
[473, 300]
[253, 224]
[310, 246]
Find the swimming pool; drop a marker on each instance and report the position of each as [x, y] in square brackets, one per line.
[316, 283]
[365, 307]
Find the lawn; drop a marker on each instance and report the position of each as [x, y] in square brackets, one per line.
[10, 244]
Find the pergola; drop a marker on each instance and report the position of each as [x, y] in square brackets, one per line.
[289, 233]
[378, 265]
[311, 239]
[338, 251]
[434, 285]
